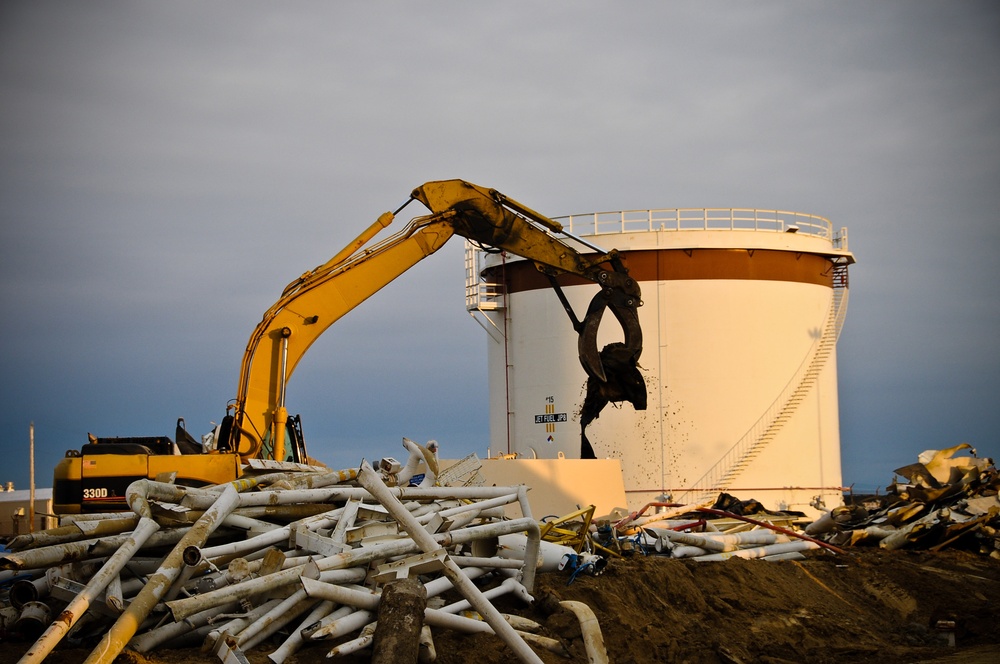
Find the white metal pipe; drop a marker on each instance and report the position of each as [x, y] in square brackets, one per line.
[755, 536]
[249, 524]
[321, 479]
[188, 569]
[34, 618]
[730, 542]
[75, 531]
[593, 640]
[67, 519]
[484, 504]
[370, 480]
[181, 608]
[306, 631]
[348, 516]
[79, 605]
[428, 653]
[125, 627]
[268, 538]
[479, 561]
[367, 601]
[751, 537]
[150, 640]
[425, 511]
[433, 588]
[443, 584]
[341, 626]
[509, 585]
[202, 500]
[690, 539]
[522, 624]
[366, 639]
[289, 609]
[254, 543]
[23, 591]
[368, 604]
[139, 493]
[100, 547]
[294, 641]
[791, 555]
[184, 607]
[547, 555]
[113, 597]
[236, 624]
[682, 551]
[413, 462]
[760, 552]
[285, 612]
[286, 497]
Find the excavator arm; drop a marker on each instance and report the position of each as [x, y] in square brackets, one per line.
[319, 298]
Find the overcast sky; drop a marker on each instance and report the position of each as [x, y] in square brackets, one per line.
[167, 167]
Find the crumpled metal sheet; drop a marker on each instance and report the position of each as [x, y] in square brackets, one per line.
[942, 501]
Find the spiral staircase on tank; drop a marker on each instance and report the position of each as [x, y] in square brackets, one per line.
[483, 296]
[720, 477]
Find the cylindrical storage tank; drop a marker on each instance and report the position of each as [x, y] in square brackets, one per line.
[740, 317]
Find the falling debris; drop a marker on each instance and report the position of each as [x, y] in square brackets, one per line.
[622, 382]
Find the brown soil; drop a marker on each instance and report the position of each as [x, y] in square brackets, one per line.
[867, 606]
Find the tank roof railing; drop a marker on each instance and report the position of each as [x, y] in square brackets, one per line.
[697, 219]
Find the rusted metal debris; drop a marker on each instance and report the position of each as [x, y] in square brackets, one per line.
[703, 533]
[942, 501]
[296, 557]
[301, 557]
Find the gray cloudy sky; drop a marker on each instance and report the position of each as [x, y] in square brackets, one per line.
[166, 168]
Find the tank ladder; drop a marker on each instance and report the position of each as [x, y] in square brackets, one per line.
[482, 296]
[720, 477]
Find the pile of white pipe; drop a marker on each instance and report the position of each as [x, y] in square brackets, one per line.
[714, 546]
[297, 557]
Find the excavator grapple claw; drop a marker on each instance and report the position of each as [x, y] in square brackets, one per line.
[620, 294]
[613, 371]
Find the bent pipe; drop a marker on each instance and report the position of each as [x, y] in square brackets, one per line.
[182, 608]
[370, 480]
[128, 623]
[367, 603]
[294, 641]
[79, 605]
[593, 640]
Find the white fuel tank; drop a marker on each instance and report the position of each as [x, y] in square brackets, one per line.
[741, 313]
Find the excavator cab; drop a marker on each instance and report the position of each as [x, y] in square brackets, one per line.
[295, 445]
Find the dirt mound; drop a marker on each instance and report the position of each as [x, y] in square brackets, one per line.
[867, 606]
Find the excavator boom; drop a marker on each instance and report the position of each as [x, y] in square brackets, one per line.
[257, 427]
[317, 299]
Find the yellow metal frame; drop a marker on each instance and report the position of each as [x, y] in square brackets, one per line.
[572, 530]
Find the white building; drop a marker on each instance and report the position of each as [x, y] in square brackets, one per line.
[15, 510]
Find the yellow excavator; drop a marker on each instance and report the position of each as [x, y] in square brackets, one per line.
[257, 433]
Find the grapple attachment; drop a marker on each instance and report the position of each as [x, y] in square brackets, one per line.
[620, 294]
[613, 371]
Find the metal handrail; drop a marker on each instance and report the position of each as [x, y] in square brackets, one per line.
[690, 219]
